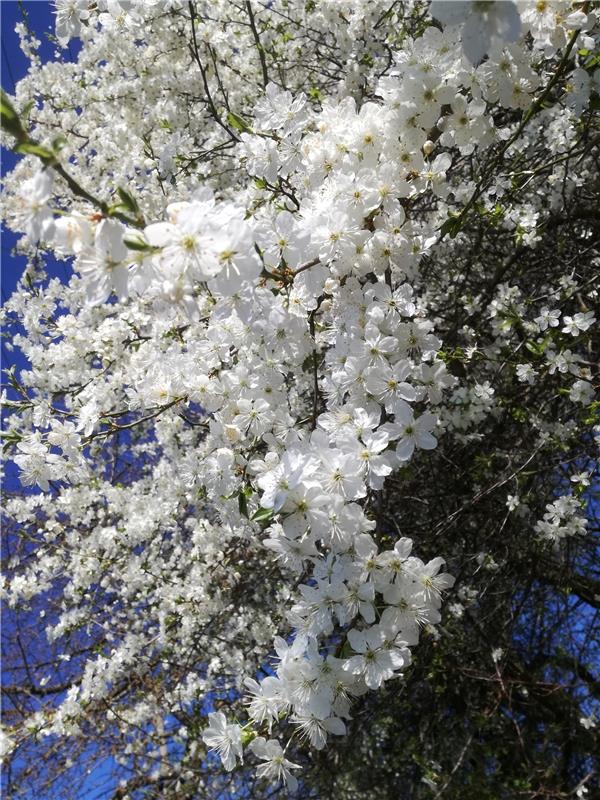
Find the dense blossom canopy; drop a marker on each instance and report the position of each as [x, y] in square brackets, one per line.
[329, 261]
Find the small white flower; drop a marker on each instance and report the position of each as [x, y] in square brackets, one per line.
[224, 738]
[588, 722]
[512, 501]
[579, 323]
[526, 373]
[275, 766]
[548, 318]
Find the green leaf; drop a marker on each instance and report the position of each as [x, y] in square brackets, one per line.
[537, 348]
[263, 515]
[6, 107]
[247, 736]
[243, 504]
[33, 149]
[237, 123]
[9, 118]
[451, 227]
[128, 201]
[27, 109]
[137, 244]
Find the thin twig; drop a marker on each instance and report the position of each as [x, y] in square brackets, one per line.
[196, 56]
[259, 47]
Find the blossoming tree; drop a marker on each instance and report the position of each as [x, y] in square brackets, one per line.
[329, 325]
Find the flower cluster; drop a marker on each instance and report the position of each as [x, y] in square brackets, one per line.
[562, 519]
[276, 316]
